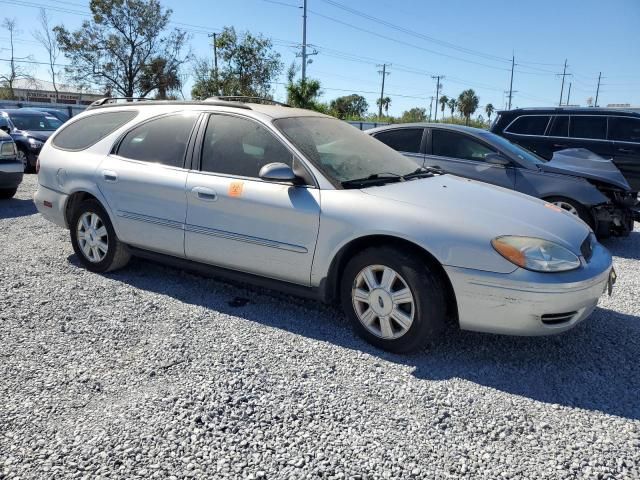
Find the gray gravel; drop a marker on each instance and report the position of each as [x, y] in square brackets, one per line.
[150, 372]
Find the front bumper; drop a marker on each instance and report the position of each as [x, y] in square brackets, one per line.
[10, 174]
[51, 204]
[529, 303]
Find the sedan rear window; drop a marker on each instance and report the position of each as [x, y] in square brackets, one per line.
[83, 133]
[529, 125]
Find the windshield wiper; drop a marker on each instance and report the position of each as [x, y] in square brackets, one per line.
[375, 178]
[424, 172]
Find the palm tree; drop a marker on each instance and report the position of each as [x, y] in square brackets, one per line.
[468, 103]
[489, 109]
[443, 103]
[303, 94]
[385, 102]
[452, 104]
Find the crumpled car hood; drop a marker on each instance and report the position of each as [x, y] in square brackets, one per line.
[584, 163]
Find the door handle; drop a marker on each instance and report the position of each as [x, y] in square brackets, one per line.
[625, 150]
[110, 176]
[559, 145]
[206, 194]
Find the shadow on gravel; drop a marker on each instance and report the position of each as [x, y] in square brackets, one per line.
[15, 207]
[625, 247]
[594, 366]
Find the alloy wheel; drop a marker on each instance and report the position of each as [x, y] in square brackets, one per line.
[93, 238]
[383, 302]
[23, 158]
[568, 207]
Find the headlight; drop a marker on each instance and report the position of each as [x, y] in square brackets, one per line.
[33, 143]
[8, 148]
[536, 254]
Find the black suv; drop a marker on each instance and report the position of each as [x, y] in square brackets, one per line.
[29, 129]
[607, 132]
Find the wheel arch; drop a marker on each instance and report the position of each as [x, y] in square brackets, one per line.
[330, 286]
[79, 196]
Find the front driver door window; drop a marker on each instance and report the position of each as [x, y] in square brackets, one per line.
[463, 155]
[235, 219]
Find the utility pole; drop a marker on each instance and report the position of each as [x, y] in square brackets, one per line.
[513, 64]
[304, 41]
[568, 95]
[437, 78]
[563, 74]
[598, 89]
[430, 107]
[384, 74]
[215, 61]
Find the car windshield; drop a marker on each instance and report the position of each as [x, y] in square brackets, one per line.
[34, 121]
[342, 151]
[527, 156]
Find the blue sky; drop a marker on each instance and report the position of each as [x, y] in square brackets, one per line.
[469, 42]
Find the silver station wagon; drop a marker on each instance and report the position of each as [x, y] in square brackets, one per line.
[306, 203]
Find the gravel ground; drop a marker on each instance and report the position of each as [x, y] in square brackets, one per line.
[151, 372]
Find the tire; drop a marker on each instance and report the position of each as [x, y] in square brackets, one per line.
[23, 155]
[579, 210]
[425, 287]
[7, 193]
[98, 258]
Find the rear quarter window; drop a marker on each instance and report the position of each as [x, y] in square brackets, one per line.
[87, 131]
[529, 125]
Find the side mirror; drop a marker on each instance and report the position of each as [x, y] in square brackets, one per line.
[278, 172]
[497, 159]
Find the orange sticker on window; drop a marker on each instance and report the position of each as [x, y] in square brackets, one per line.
[235, 189]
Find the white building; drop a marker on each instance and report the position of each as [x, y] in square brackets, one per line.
[41, 91]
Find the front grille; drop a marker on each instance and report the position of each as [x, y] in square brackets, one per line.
[587, 248]
[557, 318]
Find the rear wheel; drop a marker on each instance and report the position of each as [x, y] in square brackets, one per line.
[573, 208]
[394, 301]
[7, 193]
[94, 239]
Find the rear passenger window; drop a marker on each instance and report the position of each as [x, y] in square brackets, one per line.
[82, 133]
[529, 125]
[560, 126]
[588, 127]
[240, 147]
[458, 145]
[402, 139]
[624, 129]
[163, 140]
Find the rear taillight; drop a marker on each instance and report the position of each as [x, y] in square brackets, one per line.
[38, 165]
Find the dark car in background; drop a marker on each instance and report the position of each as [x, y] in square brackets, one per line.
[610, 133]
[575, 180]
[59, 114]
[29, 129]
[10, 167]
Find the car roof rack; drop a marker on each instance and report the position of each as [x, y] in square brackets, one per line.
[117, 101]
[249, 99]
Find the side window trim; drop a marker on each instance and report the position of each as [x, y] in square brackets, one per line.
[198, 149]
[606, 139]
[116, 145]
[554, 119]
[506, 129]
[632, 118]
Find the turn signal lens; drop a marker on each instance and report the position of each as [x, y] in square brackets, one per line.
[536, 254]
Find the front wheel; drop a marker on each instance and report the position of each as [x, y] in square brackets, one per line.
[94, 240]
[7, 193]
[573, 208]
[394, 300]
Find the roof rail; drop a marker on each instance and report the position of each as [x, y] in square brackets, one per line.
[105, 100]
[243, 98]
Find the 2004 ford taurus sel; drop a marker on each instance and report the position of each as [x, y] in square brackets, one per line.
[298, 200]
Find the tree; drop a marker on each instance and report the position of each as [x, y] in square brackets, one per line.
[160, 76]
[302, 94]
[443, 103]
[489, 109]
[452, 104]
[416, 114]
[385, 102]
[468, 103]
[123, 43]
[47, 39]
[249, 67]
[349, 106]
[16, 71]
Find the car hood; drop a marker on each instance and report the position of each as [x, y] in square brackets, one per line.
[476, 210]
[41, 135]
[584, 163]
